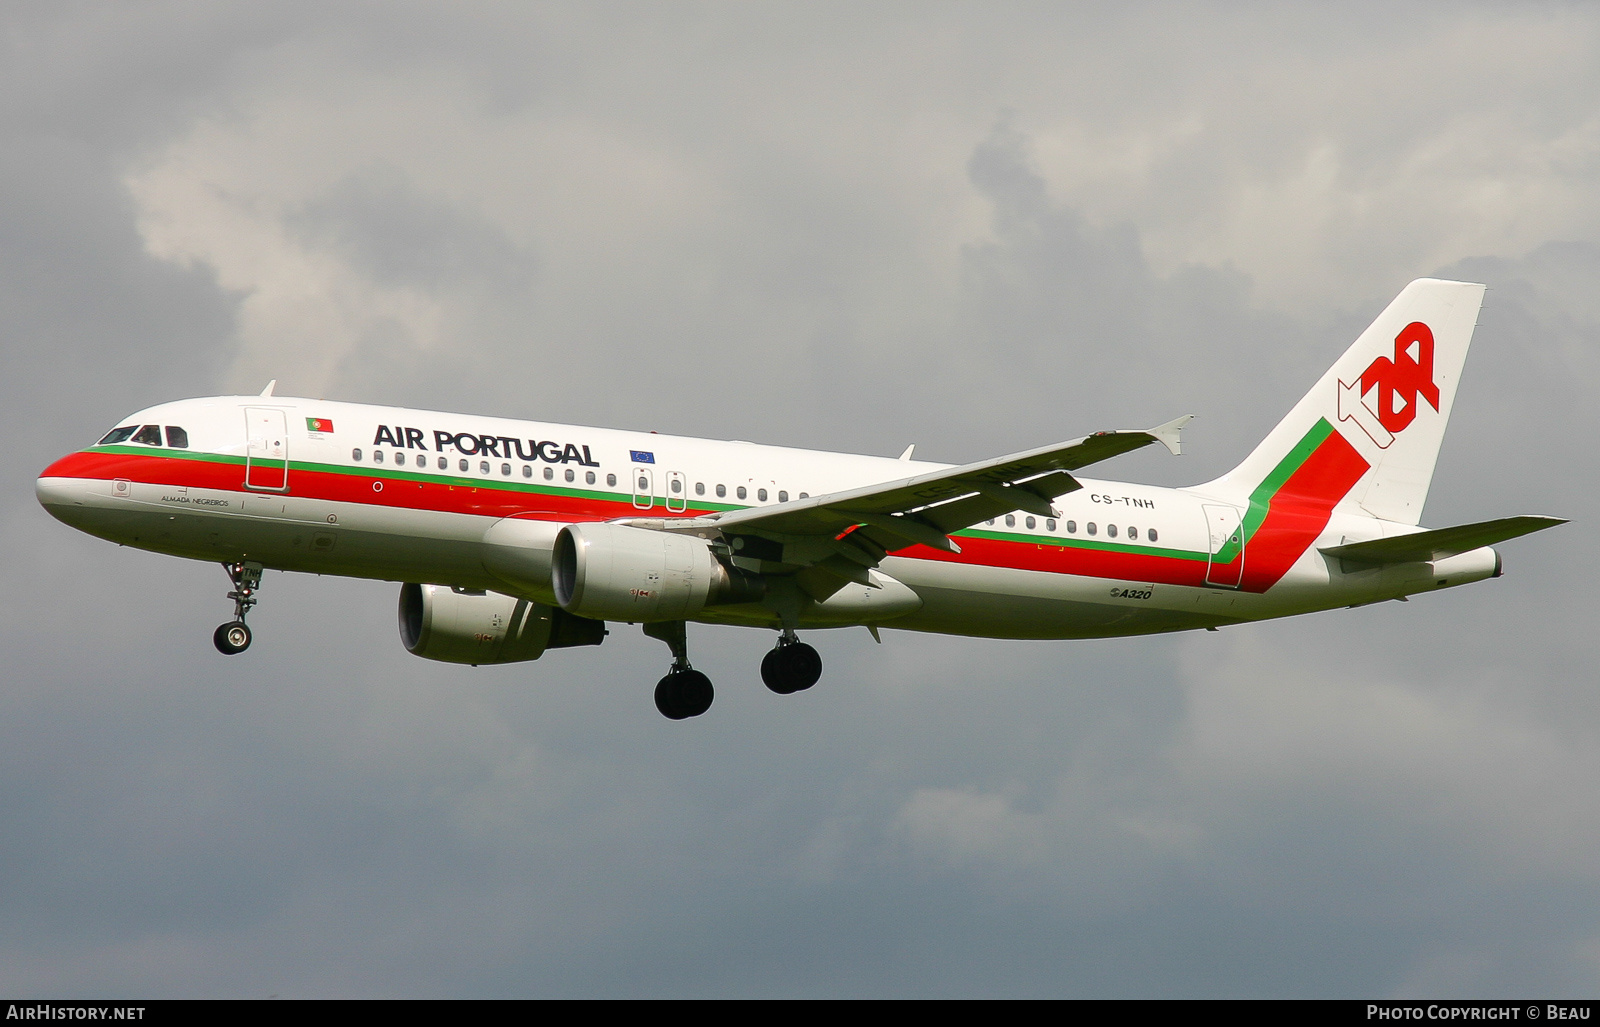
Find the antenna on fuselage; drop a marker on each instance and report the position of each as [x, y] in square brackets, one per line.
[270, 386]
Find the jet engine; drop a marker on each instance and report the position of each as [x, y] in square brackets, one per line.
[614, 572]
[460, 626]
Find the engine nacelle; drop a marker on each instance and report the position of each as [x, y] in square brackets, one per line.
[442, 623]
[614, 572]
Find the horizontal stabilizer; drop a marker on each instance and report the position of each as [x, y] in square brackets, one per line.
[1441, 542]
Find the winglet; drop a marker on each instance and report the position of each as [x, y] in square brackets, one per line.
[907, 454]
[270, 386]
[1167, 434]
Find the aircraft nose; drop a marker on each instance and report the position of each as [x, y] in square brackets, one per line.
[56, 493]
[58, 489]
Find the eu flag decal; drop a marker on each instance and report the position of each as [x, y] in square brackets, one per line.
[319, 424]
[642, 456]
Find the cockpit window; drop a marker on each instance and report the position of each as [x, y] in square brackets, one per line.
[177, 438]
[117, 435]
[150, 435]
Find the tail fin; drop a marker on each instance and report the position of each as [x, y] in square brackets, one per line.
[1368, 433]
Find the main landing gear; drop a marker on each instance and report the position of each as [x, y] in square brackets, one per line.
[684, 692]
[792, 666]
[234, 636]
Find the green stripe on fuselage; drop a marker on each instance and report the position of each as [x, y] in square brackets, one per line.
[1261, 498]
[1069, 542]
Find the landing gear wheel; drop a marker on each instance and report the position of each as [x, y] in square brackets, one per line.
[683, 694]
[791, 668]
[231, 638]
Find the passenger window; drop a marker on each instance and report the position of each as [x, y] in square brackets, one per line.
[483, 467]
[505, 470]
[1133, 534]
[644, 484]
[549, 474]
[150, 435]
[527, 470]
[570, 476]
[355, 454]
[611, 480]
[377, 456]
[1028, 522]
[1072, 527]
[1151, 535]
[761, 495]
[117, 435]
[464, 465]
[588, 477]
[676, 485]
[805, 495]
[783, 497]
[699, 488]
[722, 491]
[1111, 531]
[1050, 524]
[177, 438]
[444, 464]
[400, 458]
[1089, 527]
[1011, 521]
[990, 522]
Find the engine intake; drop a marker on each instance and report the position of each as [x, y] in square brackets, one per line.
[459, 626]
[615, 572]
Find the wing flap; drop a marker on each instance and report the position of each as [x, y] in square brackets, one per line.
[1441, 542]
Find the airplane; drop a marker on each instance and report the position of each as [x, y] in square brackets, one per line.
[511, 537]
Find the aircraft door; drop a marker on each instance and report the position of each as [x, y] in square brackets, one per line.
[266, 460]
[644, 492]
[1226, 533]
[677, 492]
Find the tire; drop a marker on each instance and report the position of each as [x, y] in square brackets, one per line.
[684, 694]
[791, 668]
[231, 638]
[805, 665]
[775, 672]
[695, 693]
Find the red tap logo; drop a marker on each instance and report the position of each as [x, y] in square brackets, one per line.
[1383, 401]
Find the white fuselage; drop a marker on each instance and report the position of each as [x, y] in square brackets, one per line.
[412, 496]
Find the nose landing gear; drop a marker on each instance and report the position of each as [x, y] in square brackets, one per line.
[792, 666]
[234, 636]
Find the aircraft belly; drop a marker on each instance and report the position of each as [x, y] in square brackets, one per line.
[281, 532]
[998, 602]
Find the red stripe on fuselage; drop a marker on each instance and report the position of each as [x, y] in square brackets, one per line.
[1299, 511]
[489, 501]
[340, 487]
[1069, 559]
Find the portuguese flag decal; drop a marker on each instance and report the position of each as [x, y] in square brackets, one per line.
[319, 424]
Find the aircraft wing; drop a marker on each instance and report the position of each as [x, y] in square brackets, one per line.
[1441, 542]
[926, 508]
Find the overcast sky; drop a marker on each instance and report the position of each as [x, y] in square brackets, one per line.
[852, 226]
